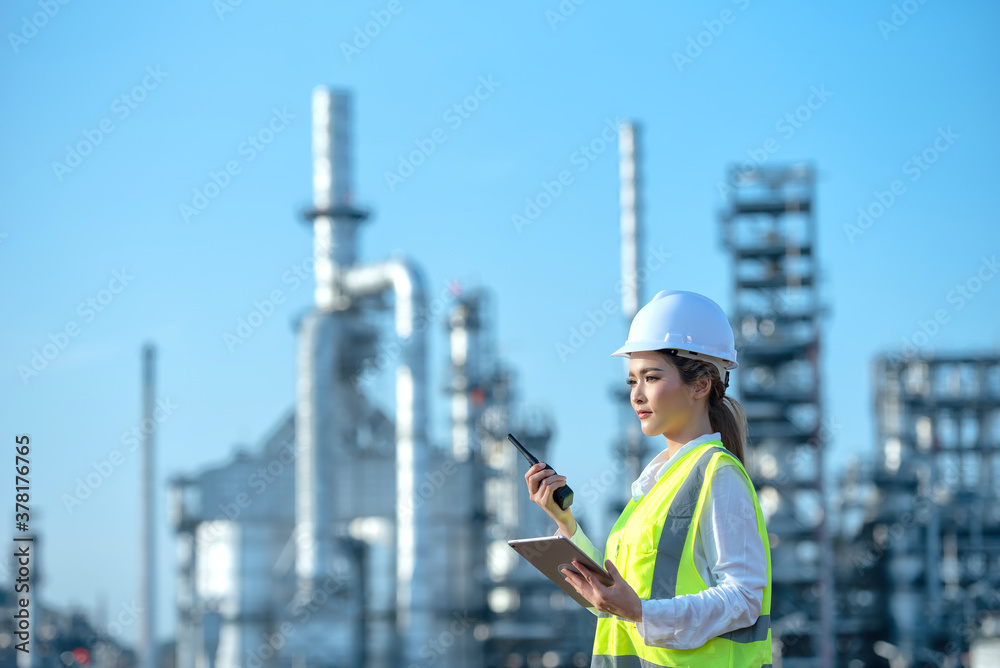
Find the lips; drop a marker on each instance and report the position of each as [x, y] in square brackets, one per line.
[643, 414]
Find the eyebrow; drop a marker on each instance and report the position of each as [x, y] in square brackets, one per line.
[645, 370]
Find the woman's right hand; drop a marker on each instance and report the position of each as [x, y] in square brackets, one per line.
[542, 482]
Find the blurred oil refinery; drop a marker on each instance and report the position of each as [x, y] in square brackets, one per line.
[348, 538]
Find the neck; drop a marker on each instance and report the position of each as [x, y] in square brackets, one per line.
[691, 431]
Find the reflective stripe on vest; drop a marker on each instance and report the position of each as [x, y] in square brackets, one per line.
[651, 545]
[630, 662]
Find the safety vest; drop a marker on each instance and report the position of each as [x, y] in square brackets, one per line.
[652, 546]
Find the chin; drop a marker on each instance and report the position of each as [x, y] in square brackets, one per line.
[649, 430]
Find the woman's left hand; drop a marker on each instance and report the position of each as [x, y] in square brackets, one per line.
[619, 599]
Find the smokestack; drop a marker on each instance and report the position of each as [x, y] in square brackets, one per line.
[628, 152]
[325, 398]
[628, 174]
[322, 411]
[147, 640]
[335, 219]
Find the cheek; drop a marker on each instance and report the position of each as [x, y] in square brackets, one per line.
[669, 393]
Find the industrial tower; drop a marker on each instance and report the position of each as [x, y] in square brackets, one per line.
[770, 230]
[348, 538]
[632, 448]
[935, 522]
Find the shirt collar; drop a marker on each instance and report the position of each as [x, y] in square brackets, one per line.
[661, 463]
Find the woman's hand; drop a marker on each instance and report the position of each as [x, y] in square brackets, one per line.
[619, 599]
[542, 482]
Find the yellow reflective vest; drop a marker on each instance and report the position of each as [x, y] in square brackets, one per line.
[652, 546]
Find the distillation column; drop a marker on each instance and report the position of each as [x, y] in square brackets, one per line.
[770, 230]
[332, 347]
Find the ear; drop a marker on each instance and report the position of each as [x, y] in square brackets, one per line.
[702, 387]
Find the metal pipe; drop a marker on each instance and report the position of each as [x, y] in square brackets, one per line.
[148, 627]
[413, 598]
[314, 423]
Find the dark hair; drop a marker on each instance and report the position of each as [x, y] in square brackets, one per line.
[724, 413]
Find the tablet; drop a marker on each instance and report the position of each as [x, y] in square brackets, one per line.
[551, 554]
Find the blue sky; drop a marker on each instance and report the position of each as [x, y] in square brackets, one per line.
[199, 81]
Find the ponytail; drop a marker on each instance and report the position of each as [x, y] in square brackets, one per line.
[727, 417]
[725, 414]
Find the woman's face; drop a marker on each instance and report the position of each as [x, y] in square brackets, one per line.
[663, 403]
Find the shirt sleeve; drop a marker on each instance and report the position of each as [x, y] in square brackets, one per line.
[579, 538]
[728, 547]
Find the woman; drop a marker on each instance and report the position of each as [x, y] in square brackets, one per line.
[689, 555]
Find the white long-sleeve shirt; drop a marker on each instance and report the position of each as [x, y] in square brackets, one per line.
[728, 553]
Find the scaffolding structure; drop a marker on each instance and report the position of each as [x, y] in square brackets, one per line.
[932, 524]
[863, 612]
[770, 230]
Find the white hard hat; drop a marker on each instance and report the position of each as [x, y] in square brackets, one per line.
[687, 322]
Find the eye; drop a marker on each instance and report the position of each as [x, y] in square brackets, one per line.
[630, 382]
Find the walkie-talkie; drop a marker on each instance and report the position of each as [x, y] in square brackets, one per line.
[563, 496]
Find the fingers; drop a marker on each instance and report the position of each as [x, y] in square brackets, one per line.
[574, 579]
[584, 587]
[585, 572]
[609, 566]
[531, 476]
[541, 480]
